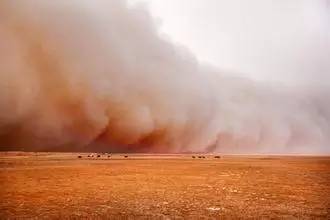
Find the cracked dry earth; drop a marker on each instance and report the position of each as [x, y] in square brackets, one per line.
[62, 186]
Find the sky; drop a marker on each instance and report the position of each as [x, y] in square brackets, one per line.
[165, 76]
[285, 41]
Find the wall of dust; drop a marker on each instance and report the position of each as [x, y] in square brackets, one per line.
[97, 75]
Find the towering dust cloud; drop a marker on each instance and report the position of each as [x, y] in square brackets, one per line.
[96, 75]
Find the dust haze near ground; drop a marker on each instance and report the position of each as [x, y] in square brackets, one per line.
[61, 186]
[77, 75]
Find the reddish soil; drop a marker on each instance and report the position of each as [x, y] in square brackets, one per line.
[63, 186]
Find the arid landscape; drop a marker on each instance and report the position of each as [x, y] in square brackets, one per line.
[149, 83]
[64, 186]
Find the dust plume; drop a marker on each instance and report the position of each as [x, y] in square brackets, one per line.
[97, 75]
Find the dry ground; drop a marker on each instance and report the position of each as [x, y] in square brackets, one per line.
[61, 186]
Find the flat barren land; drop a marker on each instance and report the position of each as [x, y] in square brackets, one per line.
[63, 186]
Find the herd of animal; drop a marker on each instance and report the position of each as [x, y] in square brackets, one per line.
[203, 157]
[106, 155]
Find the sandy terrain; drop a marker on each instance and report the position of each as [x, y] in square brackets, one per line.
[49, 185]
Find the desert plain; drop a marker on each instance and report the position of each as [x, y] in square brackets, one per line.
[171, 186]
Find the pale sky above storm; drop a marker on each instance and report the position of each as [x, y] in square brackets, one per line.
[284, 40]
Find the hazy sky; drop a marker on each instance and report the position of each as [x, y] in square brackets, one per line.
[83, 74]
[282, 40]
